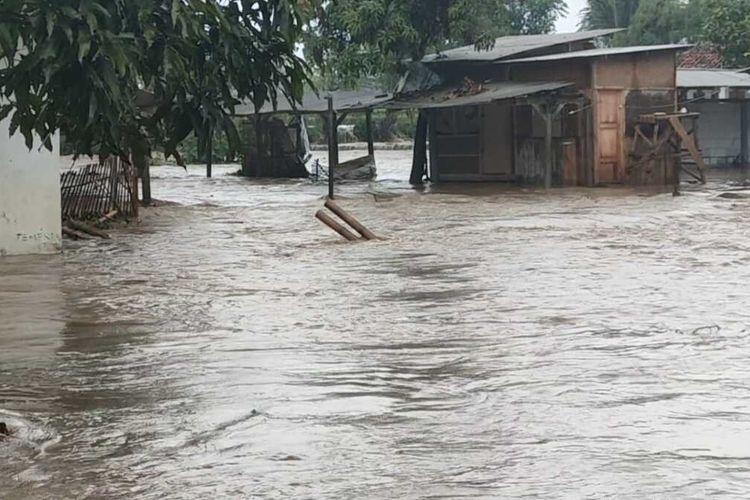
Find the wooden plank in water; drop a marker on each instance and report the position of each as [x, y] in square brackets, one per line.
[329, 221]
[349, 219]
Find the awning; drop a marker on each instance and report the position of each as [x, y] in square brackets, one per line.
[484, 94]
[515, 46]
[343, 101]
[595, 53]
[707, 78]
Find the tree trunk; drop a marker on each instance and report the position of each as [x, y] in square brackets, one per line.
[142, 164]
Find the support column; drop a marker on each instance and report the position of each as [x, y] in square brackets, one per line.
[548, 157]
[259, 147]
[370, 138]
[745, 154]
[548, 110]
[210, 154]
[420, 151]
[332, 147]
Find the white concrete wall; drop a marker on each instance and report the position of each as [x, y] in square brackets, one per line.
[30, 221]
[719, 131]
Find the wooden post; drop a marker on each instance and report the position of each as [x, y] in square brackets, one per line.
[210, 154]
[370, 137]
[114, 170]
[419, 159]
[331, 222]
[346, 217]
[745, 154]
[548, 149]
[548, 113]
[332, 147]
[687, 142]
[132, 174]
[260, 156]
[676, 167]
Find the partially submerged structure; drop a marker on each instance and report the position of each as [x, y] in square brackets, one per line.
[554, 110]
[279, 150]
[549, 109]
[722, 97]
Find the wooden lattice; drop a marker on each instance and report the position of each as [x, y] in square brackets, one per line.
[97, 189]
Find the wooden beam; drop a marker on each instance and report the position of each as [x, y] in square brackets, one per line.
[688, 142]
[544, 110]
[209, 154]
[548, 152]
[745, 154]
[332, 146]
[419, 159]
[370, 137]
[329, 221]
[341, 118]
[349, 219]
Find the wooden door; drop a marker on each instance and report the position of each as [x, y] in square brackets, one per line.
[609, 136]
[497, 140]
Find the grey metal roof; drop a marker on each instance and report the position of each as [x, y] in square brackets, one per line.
[492, 91]
[510, 46]
[585, 54]
[343, 100]
[709, 78]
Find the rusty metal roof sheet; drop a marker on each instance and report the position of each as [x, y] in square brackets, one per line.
[708, 78]
[592, 53]
[343, 100]
[513, 46]
[493, 91]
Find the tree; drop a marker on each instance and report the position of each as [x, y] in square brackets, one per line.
[727, 24]
[352, 39]
[119, 74]
[534, 17]
[657, 22]
[602, 14]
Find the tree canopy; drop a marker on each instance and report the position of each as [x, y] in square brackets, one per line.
[725, 23]
[351, 39]
[600, 14]
[85, 66]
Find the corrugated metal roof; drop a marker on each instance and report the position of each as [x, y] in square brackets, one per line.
[343, 100]
[584, 54]
[708, 78]
[494, 91]
[510, 46]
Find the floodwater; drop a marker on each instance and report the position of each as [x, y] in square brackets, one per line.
[498, 344]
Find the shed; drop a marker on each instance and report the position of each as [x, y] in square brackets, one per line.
[722, 97]
[276, 156]
[594, 114]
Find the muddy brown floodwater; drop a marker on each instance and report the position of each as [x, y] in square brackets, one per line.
[500, 343]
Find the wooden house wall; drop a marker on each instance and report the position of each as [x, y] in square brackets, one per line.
[591, 146]
[568, 143]
[472, 143]
[573, 71]
[623, 88]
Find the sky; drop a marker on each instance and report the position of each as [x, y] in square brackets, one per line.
[570, 22]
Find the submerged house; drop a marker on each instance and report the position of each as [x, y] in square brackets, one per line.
[549, 109]
[552, 110]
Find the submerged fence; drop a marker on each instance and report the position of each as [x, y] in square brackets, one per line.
[99, 189]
